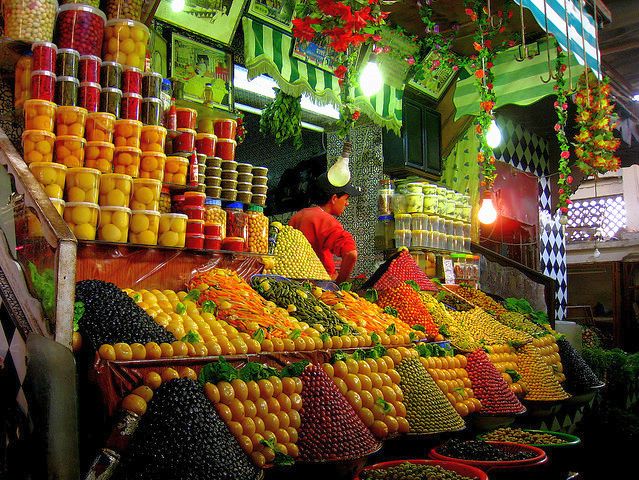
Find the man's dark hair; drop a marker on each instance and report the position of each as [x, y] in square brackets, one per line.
[320, 197]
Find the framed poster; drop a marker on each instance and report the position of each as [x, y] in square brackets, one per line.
[435, 82]
[214, 19]
[195, 64]
[314, 54]
[278, 13]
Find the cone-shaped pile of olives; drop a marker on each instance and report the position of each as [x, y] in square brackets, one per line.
[579, 376]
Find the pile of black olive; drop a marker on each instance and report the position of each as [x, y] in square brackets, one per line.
[477, 450]
[579, 376]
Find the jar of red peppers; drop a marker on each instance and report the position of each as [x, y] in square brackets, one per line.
[257, 222]
[89, 70]
[131, 80]
[236, 220]
[81, 28]
[44, 56]
[90, 96]
[131, 106]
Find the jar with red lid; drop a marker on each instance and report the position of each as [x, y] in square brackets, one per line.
[89, 69]
[43, 85]
[185, 140]
[80, 27]
[236, 220]
[212, 229]
[194, 226]
[66, 91]
[233, 244]
[44, 56]
[225, 128]
[90, 96]
[186, 118]
[195, 199]
[131, 106]
[212, 242]
[131, 80]
[192, 211]
[205, 144]
[177, 202]
[67, 62]
[195, 242]
[225, 148]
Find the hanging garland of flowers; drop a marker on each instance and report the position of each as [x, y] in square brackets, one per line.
[482, 62]
[342, 26]
[595, 144]
[561, 107]
[435, 39]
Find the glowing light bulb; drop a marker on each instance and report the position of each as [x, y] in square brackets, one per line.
[596, 253]
[493, 136]
[370, 79]
[487, 213]
[178, 5]
[339, 174]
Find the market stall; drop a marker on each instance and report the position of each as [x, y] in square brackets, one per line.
[210, 339]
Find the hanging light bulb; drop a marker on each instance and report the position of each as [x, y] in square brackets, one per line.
[493, 136]
[178, 5]
[370, 79]
[339, 174]
[596, 253]
[487, 213]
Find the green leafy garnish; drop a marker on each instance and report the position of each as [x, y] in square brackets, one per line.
[419, 328]
[375, 338]
[191, 337]
[256, 371]
[78, 312]
[391, 311]
[413, 336]
[294, 369]
[371, 295]
[413, 284]
[346, 286]
[384, 405]
[377, 351]
[338, 355]
[346, 329]
[180, 308]
[280, 459]
[217, 371]
[193, 295]
[44, 286]
[359, 354]
[444, 331]
[259, 335]
[514, 375]
[137, 298]
[209, 306]
[391, 330]
[324, 337]
[295, 334]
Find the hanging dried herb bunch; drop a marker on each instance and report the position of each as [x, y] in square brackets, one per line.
[282, 118]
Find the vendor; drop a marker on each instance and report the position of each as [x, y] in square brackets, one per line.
[324, 232]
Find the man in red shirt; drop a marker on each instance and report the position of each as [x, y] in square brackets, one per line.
[324, 232]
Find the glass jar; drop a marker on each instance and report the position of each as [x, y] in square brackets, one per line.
[384, 233]
[236, 224]
[459, 267]
[415, 187]
[434, 223]
[429, 189]
[419, 238]
[414, 202]
[430, 268]
[213, 213]
[403, 221]
[385, 197]
[29, 20]
[430, 203]
[24, 66]
[257, 230]
[402, 238]
[420, 259]
[466, 228]
[399, 203]
[419, 221]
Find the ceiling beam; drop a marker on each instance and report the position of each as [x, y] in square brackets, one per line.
[623, 47]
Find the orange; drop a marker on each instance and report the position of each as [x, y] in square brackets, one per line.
[187, 372]
[153, 350]
[266, 388]
[153, 380]
[340, 368]
[295, 418]
[271, 422]
[224, 411]
[240, 389]
[235, 428]
[277, 385]
[261, 407]
[237, 409]
[212, 392]
[273, 405]
[167, 350]
[253, 390]
[285, 421]
[226, 392]
[123, 351]
[284, 401]
[169, 374]
[379, 429]
[144, 392]
[354, 399]
[107, 352]
[367, 416]
[134, 403]
[245, 443]
[296, 402]
[250, 410]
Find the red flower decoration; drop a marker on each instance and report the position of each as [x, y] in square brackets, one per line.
[356, 115]
[480, 73]
[303, 28]
[566, 154]
[477, 46]
[340, 71]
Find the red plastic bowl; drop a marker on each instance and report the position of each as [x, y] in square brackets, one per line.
[539, 459]
[459, 468]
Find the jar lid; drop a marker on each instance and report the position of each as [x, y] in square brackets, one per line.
[133, 95]
[82, 8]
[255, 208]
[46, 73]
[213, 201]
[116, 91]
[237, 205]
[91, 84]
[384, 218]
[112, 64]
[68, 51]
[458, 255]
[44, 44]
[152, 74]
[166, 82]
[179, 216]
[151, 100]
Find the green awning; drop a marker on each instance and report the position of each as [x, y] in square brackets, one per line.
[515, 82]
[267, 52]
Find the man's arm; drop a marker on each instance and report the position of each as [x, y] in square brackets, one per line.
[348, 264]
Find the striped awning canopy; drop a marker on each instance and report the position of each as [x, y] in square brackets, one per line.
[515, 82]
[267, 51]
[580, 34]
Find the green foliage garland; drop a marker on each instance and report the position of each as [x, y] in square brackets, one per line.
[561, 107]
[282, 118]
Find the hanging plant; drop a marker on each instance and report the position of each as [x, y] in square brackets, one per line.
[435, 40]
[482, 63]
[241, 131]
[282, 118]
[561, 108]
[595, 143]
[341, 26]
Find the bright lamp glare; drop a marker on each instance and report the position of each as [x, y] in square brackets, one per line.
[178, 5]
[493, 136]
[370, 79]
[487, 213]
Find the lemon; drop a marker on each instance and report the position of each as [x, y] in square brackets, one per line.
[75, 194]
[47, 176]
[53, 191]
[147, 237]
[81, 214]
[169, 239]
[178, 225]
[139, 223]
[120, 220]
[127, 46]
[165, 224]
[84, 231]
[110, 233]
[116, 198]
[149, 163]
[86, 181]
[143, 195]
[43, 147]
